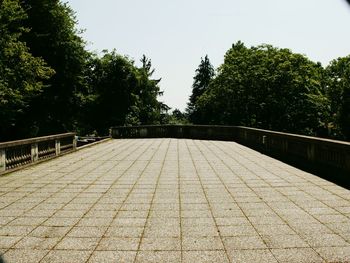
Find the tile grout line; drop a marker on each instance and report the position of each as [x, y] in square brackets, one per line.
[149, 211]
[206, 197]
[179, 192]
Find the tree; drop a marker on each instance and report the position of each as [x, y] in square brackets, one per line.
[21, 74]
[204, 74]
[120, 94]
[338, 91]
[147, 93]
[266, 87]
[54, 38]
[113, 80]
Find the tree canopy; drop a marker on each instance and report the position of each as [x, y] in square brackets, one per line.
[50, 83]
[267, 87]
[21, 73]
[338, 92]
[53, 37]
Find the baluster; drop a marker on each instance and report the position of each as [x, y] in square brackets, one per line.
[34, 152]
[74, 143]
[58, 147]
[2, 160]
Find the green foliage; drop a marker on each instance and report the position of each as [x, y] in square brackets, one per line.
[268, 88]
[114, 79]
[176, 117]
[120, 94]
[49, 83]
[21, 74]
[338, 91]
[54, 38]
[147, 92]
[86, 93]
[204, 74]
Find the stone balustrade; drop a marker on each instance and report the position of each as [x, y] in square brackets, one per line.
[16, 154]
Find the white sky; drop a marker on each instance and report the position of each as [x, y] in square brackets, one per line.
[175, 34]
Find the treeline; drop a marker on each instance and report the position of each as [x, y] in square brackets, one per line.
[272, 88]
[50, 83]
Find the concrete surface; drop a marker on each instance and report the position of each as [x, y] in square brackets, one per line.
[169, 200]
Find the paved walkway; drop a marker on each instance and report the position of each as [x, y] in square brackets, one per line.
[167, 200]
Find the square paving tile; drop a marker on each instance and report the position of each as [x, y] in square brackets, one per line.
[24, 255]
[162, 231]
[244, 242]
[158, 256]
[28, 221]
[129, 222]
[89, 231]
[251, 255]
[335, 254]
[15, 230]
[296, 255]
[61, 221]
[40, 243]
[77, 243]
[160, 243]
[118, 244]
[198, 231]
[8, 241]
[232, 231]
[124, 232]
[205, 256]
[284, 241]
[49, 231]
[232, 221]
[202, 243]
[112, 256]
[94, 221]
[59, 256]
[325, 240]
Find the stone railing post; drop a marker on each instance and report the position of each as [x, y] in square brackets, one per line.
[2, 160]
[58, 147]
[74, 143]
[34, 152]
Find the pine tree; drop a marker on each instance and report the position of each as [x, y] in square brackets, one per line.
[204, 74]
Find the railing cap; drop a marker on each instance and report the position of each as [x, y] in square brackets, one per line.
[36, 140]
[297, 136]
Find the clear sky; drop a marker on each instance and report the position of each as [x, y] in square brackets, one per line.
[175, 34]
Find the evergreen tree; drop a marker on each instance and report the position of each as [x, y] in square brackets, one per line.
[147, 93]
[204, 74]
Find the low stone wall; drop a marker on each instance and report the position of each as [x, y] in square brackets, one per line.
[330, 158]
[18, 154]
[206, 132]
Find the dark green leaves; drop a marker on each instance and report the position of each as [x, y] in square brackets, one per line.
[21, 74]
[266, 87]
